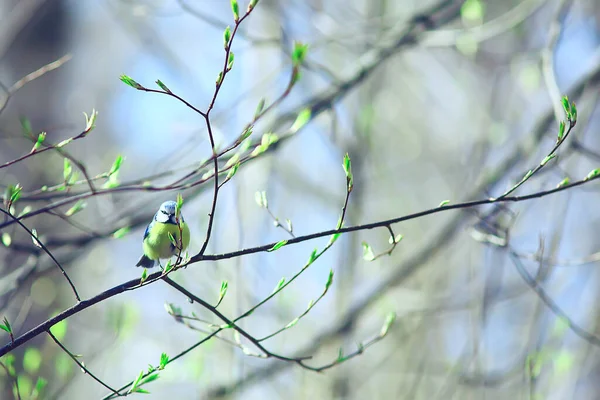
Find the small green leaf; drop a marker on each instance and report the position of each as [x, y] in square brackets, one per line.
[561, 130]
[164, 360]
[302, 119]
[261, 199]
[163, 86]
[235, 8]
[259, 108]
[278, 245]
[136, 382]
[172, 309]
[130, 82]
[34, 238]
[252, 4]
[333, 238]
[38, 143]
[13, 193]
[233, 160]
[397, 239]
[566, 105]
[313, 256]
[5, 326]
[172, 239]
[178, 205]
[347, 165]
[121, 232]
[279, 285]
[289, 225]
[64, 143]
[547, 158]
[116, 166]
[90, 121]
[40, 385]
[232, 171]
[80, 205]
[444, 202]
[6, 239]
[168, 267]
[268, 139]
[299, 53]
[67, 169]
[226, 37]
[389, 321]
[329, 280]
[368, 254]
[292, 322]
[223, 291]
[144, 275]
[152, 377]
[245, 135]
[230, 60]
[340, 357]
[593, 173]
[564, 182]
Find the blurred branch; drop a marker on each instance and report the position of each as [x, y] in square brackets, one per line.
[486, 31]
[80, 364]
[29, 77]
[548, 72]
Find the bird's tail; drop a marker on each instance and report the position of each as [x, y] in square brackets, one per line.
[145, 262]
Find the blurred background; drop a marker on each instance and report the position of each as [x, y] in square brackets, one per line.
[433, 101]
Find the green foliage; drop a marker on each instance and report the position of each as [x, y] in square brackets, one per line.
[259, 108]
[6, 240]
[80, 205]
[230, 60]
[32, 360]
[261, 199]
[302, 119]
[299, 54]
[163, 86]
[226, 37]
[389, 321]
[368, 254]
[235, 9]
[278, 245]
[164, 360]
[116, 166]
[222, 292]
[5, 326]
[13, 193]
[279, 285]
[38, 143]
[126, 79]
[144, 275]
[90, 121]
[593, 173]
[347, 165]
[121, 232]
[59, 330]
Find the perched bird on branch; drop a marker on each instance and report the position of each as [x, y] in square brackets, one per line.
[167, 235]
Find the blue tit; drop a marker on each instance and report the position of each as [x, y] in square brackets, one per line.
[157, 243]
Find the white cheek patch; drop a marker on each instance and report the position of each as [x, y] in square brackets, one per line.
[163, 218]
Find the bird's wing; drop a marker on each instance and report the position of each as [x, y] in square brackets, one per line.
[147, 232]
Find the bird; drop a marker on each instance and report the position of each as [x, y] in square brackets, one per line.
[157, 242]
